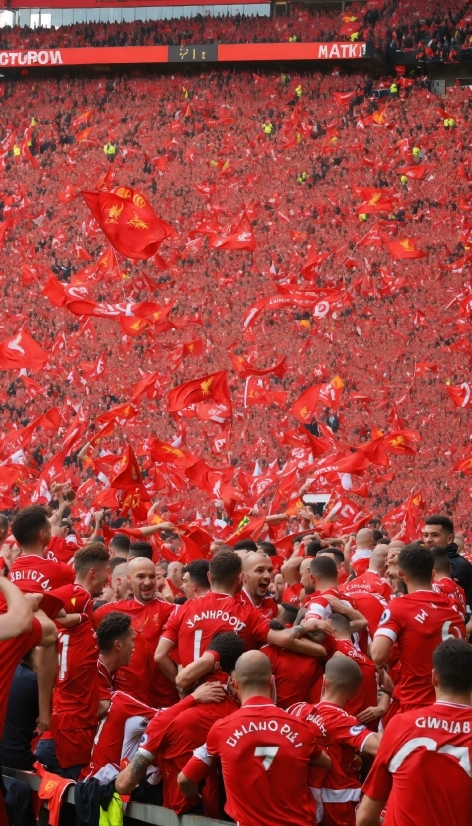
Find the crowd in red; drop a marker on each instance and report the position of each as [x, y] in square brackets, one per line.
[316, 241]
[391, 24]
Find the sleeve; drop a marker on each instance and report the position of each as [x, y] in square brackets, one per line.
[151, 740]
[351, 732]
[378, 783]
[199, 765]
[390, 623]
[320, 610]
[67, 573]
[170, 631]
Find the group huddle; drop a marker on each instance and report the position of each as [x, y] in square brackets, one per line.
[337, 686]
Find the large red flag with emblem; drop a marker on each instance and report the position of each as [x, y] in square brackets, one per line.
[404, 249]
[128, 221]
[461, 394]
[213, 386]
[304, 407]
[22, 351]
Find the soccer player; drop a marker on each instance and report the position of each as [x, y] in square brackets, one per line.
[172, 735]
[257, 572]
[142, 678]
[195, 580]
[116, 639]
[323, 575]
[273, 749]
[31, 571]
[422, 767]
[338, 792]
[438, 532]
[192, 625]
[66, 748]
[444, 583]
[418, 622]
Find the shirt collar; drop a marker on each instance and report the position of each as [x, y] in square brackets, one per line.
[258, 701]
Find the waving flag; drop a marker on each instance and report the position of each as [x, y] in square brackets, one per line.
[211, 387]
[461, 394]
[128, 221]
[22, 351]
[404, 249]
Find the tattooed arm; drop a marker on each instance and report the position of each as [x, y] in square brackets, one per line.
[129, 778]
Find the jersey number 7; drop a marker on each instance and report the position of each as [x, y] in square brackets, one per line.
[268, 753]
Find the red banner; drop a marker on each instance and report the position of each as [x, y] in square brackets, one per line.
[172, 54]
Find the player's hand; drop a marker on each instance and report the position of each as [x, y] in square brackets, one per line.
[369, 715]
[43, 724]
[209, 693]
[317, 625]
[336, 604]
[34, 601]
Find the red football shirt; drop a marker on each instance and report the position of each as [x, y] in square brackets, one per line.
[292, 593]
[453, 590]
[267, 607]
[34, 575]
[143, 678]
[368, 692]
[192, 625]
[419, 622]
[105, 681]
[371, 583]
[118, 735]
[318, 606]
[173, 737]
[294, 674]
[423, 767]
[273, 750]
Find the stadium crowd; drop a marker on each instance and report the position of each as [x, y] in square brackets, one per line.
[396, 26]
[300, 327]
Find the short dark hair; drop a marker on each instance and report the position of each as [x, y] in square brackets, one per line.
[290, 612]
[114, 626]
[245, 545]
[313, 547]
[117, 560]
[383, 541]
[3, 521]
[140, 548]
[28, 523]
[444, 522]
[267, 547]
[120, 542]
[452, 661]
[416, 560]
[334, 551]
[275, 625]
[340, 622]
[92, 554]
[198, 572]
[323, 566]
[225, 568]
[229, 646]
[377, 535]
[442, 564]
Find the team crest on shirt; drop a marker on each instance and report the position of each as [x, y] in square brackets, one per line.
[356, 730]
[385, 617]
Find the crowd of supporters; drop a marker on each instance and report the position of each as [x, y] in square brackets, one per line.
[392, 26]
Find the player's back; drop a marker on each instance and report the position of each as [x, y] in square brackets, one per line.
[33, 574]
[272, 751]
[425, 754]
[195, 623]
[419, 622]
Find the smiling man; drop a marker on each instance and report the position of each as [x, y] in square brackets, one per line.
[257, 576]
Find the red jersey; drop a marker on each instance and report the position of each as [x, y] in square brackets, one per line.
[105, 681]
[274, 750]
[292, 593]
[454, 591]
[368, 692]
[12, 652]
[34, 575]
[360, 561]
[267, 607]
[370, 583]
[74, 716]
[59, 550]
[143, 678]
[318, 606]
[294, 674]
[171, 737]
[419, 622]
[336, 791]
[76, 599]
[177, 592]
[118, 735]
[192, 625]
[423, 767]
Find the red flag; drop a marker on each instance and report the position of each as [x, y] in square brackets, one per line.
[148, 385]
[464, 465]
[106, 430]
[460, 394]
[375, 451]
[304, 407]
[416, 173]
[194, 348]
[164, 452]
[121, 412]
[129, 474]
[22, 351]
[190, 550]
[244, 368]
[97, 369]
[343, 98]
[135, 326]
[402, 443]
[107, 498]
[128, 221]
[255, 393]
[75, 431]
[251, 530]
[33, 388]
[213, 386]
[404, 249]
[243, 240]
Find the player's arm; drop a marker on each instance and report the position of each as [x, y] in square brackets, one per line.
[369, 812]
[357, 620]
[372, 713]
[380, 649]
[289, 638]
[47, 668]
[194, 772]
[149, 530]
[98, 516]
[371, 744]
[206, 664]
[18, 618]
[290, 570]
[134, 772]
[323, 761]
[162, 658]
